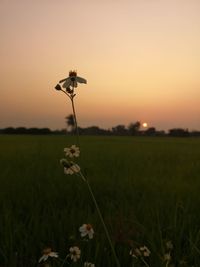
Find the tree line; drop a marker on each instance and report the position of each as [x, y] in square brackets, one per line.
[133, 129]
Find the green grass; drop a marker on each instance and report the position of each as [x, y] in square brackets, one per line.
[148, 190]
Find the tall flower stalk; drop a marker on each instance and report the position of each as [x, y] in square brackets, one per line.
[70, 167]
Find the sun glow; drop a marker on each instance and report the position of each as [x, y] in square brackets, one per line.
[144, 124]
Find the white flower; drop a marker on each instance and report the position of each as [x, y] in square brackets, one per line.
[47, 252]
[86, 229]
[145, 251]
[69, 166]
[88, 264]
[72, 80]
[75, 253]
[72, 151]
[73, 168]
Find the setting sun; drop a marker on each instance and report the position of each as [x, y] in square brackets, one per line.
[144, 124]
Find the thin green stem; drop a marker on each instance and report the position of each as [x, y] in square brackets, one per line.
[71, 97]
[65, 259]
[75, 121]
[146, 264]
[102, 220]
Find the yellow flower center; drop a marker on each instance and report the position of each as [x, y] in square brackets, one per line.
[72, 150]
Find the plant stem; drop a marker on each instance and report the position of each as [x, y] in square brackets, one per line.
[146, 264]
[64, 260]
[75, 121]
[102, 220]
[71, 97]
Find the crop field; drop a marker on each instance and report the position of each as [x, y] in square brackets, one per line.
[148, 190]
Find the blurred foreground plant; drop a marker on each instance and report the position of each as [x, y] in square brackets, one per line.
[71, 167]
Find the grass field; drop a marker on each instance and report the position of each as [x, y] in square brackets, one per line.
[148, 190]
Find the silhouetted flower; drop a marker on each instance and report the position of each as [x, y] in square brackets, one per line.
[86, 229]
[47, 252]
[72, 80]
[72, 151]
[75, 253]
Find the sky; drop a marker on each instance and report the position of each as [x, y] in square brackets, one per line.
[141, 59]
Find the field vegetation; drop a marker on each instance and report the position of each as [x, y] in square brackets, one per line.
[148, 189]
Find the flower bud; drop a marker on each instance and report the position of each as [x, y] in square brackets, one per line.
[58, 87]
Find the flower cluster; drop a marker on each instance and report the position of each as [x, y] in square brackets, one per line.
[70, 167]
[74, 252]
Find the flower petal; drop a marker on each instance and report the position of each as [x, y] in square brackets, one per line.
[68, 171]
[67, 83]
[81, 80]
[43, 258]
[74, 84]
[53, 254]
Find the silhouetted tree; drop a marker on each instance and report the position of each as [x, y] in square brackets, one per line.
[134, 128]
[9, 130]
[70, 122]
[119, 130]
[20, 130]
[179, 132]
[150, 131]
[195, 133]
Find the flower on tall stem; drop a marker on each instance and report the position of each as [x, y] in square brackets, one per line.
[72, 80]
[69, 84]
[47, 252]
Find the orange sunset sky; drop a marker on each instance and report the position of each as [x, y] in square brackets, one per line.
[141, 59]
